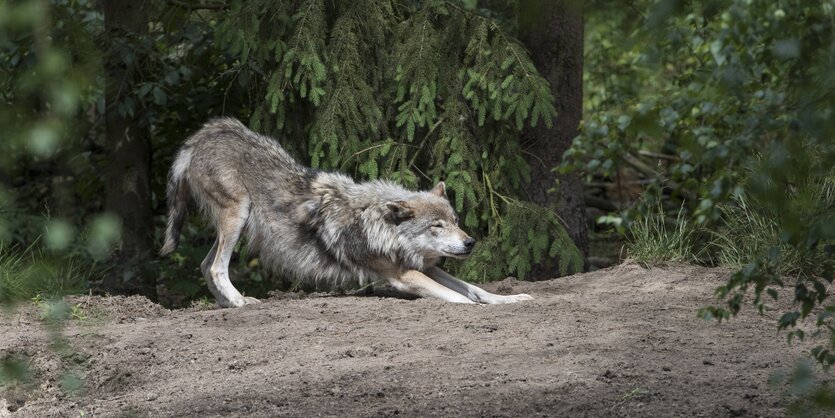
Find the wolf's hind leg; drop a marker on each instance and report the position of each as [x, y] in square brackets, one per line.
[205, 268]
[230, 223]
[472, 292]
[418, 284]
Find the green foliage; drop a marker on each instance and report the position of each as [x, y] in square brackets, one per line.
[416, 93]
[26, 274]
[42, 80]
[750, 227]
[652, 242]
[12, 276]
[14, 369]
[518, 250]
[736, 96]
[808, 393]
[49, 186]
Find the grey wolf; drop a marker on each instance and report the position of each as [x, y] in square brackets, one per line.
[313, 225]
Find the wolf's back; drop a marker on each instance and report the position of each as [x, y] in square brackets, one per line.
[223, 155]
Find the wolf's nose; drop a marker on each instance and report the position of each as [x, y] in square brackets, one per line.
[469, 243]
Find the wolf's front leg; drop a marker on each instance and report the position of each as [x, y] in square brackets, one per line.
[474, 293]
[418, 284]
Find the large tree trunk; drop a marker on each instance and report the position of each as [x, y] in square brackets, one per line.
[128, 147]
[553, 33]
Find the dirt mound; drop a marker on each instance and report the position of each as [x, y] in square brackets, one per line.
[119, 309]
[622, 341]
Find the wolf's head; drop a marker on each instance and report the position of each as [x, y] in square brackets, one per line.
[430, 225]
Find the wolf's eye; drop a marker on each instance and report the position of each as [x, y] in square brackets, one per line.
[437, 225]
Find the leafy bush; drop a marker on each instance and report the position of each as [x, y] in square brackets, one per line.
[736, 98]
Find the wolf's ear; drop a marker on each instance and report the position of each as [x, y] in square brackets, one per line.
[400, 210]
[439, 189]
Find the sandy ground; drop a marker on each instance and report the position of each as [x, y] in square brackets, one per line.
[618, 342]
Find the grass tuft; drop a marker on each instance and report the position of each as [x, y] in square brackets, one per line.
[753, 229]
[26, 274]
[654, 241]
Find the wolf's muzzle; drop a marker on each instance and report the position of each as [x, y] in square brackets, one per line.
[469, 244]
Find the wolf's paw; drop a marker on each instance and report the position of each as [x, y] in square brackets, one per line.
[501, 299]
[520, 297]
[241, 301]
[250, 301]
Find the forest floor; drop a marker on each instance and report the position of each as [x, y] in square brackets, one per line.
[624, 341]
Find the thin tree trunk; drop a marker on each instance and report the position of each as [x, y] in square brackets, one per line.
[128, 147]
[553, 33]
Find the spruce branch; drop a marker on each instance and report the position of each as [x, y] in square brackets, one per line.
[298, 37]
[363, 151]
[198, 6]
[377, 87]
[423, 141]
[495, 27]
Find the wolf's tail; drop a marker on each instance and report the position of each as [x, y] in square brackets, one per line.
[177, 195]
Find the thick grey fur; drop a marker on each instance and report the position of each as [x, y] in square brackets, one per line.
[310, 225]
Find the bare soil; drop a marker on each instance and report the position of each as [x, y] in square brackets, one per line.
[624, 341]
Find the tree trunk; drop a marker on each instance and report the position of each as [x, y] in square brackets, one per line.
[553, 33]
[128, 147]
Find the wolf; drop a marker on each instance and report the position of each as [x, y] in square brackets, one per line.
[314, 226]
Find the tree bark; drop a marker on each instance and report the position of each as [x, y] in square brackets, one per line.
[553, 33]
[127, 146]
